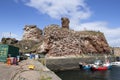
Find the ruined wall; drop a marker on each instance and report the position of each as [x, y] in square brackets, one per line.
[117, 51]
[31, 32]
[61, 42]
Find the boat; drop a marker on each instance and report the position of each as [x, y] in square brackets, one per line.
[116, 63]
[100, 66]
[85, 66]
[97, 65]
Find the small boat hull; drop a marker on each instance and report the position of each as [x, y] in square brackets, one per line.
[85, 67]
[100, 68]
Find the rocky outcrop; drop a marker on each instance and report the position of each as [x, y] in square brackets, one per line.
[31, 32]
[9, 41]
[62, 42]
[27, 46]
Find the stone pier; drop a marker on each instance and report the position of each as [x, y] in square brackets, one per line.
[22, 72]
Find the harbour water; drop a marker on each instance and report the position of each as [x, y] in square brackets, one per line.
[112, 74]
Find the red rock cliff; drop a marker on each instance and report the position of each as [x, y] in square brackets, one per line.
[61, 41]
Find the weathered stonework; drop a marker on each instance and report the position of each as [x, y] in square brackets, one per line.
[62, 42]
[31, 32]
[116, 51]
[65, 22]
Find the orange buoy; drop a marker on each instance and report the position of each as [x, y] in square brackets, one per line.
[8, 61]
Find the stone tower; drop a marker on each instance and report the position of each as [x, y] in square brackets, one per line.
[65, 22]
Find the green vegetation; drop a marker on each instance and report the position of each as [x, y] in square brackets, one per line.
[27, 46]
[44, 78]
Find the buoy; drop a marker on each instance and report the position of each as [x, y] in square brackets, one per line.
[31, 67]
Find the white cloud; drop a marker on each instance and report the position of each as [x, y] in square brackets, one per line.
[58, 8]
[75, 10]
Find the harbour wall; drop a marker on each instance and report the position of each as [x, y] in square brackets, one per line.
[71, 63]
[32, 70]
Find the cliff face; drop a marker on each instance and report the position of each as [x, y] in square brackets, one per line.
[62, 41]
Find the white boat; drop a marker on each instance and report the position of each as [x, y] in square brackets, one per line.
[116, 63]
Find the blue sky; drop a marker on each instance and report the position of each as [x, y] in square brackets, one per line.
[102, 15]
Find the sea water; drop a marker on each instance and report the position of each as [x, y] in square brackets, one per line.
[112, 74]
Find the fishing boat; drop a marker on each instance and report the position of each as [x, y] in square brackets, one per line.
[100, 66]
[97, 65]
